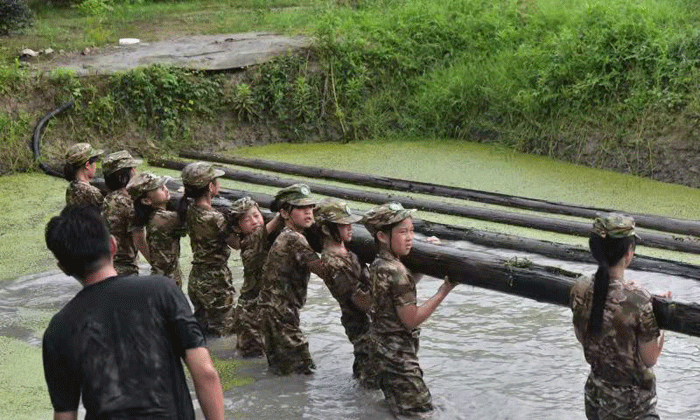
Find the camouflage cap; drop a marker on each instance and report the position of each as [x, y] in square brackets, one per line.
[614, 225]
[241, 206]
[200, 174]
[296, 195]
[335, 211]
[386, 214]
[119, 160]
[80, 153]
[144, 182]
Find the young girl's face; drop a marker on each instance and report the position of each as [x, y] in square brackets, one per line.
[214, 187]
[302, 217]
[345, 232]
[91, 169]
[402, 237]
[251, 220]
[159, 197]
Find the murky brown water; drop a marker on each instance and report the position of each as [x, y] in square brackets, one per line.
[485, 355]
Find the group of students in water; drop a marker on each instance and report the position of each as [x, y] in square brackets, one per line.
[613, 318]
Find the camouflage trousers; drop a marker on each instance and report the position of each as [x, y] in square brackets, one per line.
[175, 274]
[605, 401]
[286, 347]
[363, 368]
[213, 298]
[400, 376]
[247, 326]
[126, 269]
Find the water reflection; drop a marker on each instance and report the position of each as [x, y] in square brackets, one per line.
[485, 355]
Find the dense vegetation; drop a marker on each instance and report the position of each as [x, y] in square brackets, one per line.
[564, 78]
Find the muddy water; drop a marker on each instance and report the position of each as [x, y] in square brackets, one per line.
[484, 354]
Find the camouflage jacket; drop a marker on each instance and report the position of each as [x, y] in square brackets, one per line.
[393, 286]
[81, 192]
[345, 277]
[628, 319]
[163, 234]
[286, 271]
[118, 211]
[204, 227]
[254, 249]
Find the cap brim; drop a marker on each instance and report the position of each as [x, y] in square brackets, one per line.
[218, 173]
[97, 152]
[303, 202]
[403, 214]
[348, 220]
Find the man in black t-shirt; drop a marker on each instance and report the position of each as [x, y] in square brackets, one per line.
[119, 342]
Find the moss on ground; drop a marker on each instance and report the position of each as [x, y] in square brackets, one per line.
[22, 388]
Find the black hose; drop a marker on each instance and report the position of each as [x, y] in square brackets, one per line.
[36, 138]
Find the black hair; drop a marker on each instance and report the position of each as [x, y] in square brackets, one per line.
[386, 229]
[142, 212]
[118, 179]
[333, 230]
[314, 236]
[79, 239]
[608, 252]
[70, 169]
[191, 192]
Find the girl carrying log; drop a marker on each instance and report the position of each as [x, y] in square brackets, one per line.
[118, 210]
[614, 322]
[395, 313]
[210, 285]
[163, 227]
[348, 282]
[285, 279]
[79, 169]
[254, 234]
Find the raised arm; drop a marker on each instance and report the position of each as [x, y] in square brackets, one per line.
[412, 315]
[207, 385]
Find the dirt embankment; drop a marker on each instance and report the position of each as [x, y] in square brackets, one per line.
[670, 157]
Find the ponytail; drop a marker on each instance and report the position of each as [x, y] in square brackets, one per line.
[608, 252]
[191, 192]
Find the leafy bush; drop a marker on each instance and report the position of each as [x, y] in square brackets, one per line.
[15, 15]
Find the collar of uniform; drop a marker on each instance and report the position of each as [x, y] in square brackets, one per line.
[387, 255]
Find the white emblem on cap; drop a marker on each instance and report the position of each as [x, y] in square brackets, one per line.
[395, 207]
[347, 210]
[305, 190]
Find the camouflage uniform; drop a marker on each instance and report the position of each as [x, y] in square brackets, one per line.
[81, 192]
[395, 346]
[163, 234]
[210, 285]
[620, 386]
[346, 277]
[254, 249]
[118, 211]
[283, 293]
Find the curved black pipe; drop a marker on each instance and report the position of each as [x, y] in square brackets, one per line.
[39, 131]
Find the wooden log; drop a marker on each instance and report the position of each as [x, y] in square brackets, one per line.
[516, 276]
[665, 224]
[549, 249]
[650, 239]
[489, 239]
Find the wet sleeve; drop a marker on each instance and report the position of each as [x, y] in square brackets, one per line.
[61, 376]
[403, 291]
[95, 197]
[339, 280]
[187, 333]
[648, 328]
[129, 214]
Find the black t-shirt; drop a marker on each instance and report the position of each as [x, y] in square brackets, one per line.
[118, 344]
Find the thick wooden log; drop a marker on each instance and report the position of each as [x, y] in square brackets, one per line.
[665, 224]
[517, 277]
[651, 239]
[489, 239]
